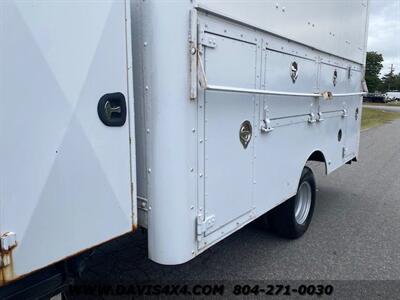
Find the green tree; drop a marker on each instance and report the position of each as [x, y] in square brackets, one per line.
[396, 85]
[390, 82]
[373, 68]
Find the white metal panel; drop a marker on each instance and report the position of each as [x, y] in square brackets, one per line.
[336, 27]
[353, 126]
[348, 79]
[277, 77]
[228, 165]
[173, 126]
[65, 176]
[167, 159]
[280, 155]
[326, 83]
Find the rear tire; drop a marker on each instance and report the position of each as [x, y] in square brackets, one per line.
[292, 218]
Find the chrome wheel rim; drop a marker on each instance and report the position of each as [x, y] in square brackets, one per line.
[303, 203]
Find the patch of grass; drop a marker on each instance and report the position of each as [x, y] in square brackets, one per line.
[373, 117]
[394, 103]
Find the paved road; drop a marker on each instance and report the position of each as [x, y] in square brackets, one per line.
[355, 232]
[384, 107]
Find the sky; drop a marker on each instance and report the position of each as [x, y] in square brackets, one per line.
[384, 32]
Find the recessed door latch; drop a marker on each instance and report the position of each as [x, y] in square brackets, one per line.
[112, 109]
[335, 76]
[294, 71]
[245, 133]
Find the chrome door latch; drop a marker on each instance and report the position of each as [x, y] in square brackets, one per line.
[245, 133]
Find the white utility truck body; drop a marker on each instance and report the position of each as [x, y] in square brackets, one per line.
[188, 118]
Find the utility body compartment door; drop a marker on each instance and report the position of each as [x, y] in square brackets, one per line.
[228, 169]
[341, 114]
[66, 180]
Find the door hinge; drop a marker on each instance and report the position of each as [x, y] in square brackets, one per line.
[208, 42]
[320, 117]
[266, 125]
[193, 54]
[8, 241]
[204, 225]
[266, 122]
[344, 152]
[311, 118]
